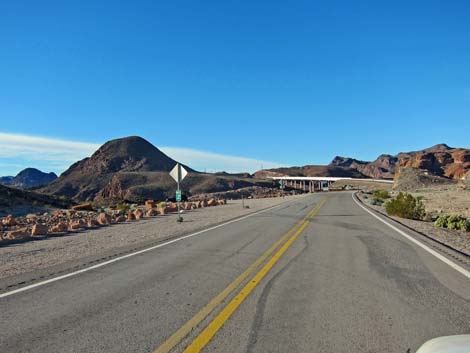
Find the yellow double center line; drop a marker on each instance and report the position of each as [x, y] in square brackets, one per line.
[206, 335]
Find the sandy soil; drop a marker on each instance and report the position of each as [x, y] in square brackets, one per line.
[458, 240]
[25, 257]
[450, 199]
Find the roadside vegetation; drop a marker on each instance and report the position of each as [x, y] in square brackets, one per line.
[453, 222]
[379, 197]
[123, 207]
[405, 205]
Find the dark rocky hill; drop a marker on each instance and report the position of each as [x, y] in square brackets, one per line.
[87, 179]
[6, 180]
[29, 178]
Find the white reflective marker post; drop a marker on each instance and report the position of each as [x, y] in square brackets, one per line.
[178, 173]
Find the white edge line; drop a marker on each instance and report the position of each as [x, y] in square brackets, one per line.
[428, 249]
[55, 279]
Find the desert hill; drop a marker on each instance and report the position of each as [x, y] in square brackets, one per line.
[90, 177]
[412, 179]
[133, 169]
[15, 201]
[28, 178]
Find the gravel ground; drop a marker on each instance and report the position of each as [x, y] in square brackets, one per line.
[458, 240]
[448, 199]
[41, 254]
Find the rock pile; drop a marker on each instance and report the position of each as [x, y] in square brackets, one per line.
[85, 217]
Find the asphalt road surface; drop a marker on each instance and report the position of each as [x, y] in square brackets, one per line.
[316, 275]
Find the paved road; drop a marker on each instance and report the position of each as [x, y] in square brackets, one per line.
[347, 283]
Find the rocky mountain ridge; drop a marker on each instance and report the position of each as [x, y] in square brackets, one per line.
[440, 160]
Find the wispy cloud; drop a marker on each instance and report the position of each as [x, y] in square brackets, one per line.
[18, 151]
[211, 162]
[43, 148]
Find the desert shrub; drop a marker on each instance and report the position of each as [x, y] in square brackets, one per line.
[381, 194]
[161, 204]
[377, 202]
[453, 222]
[405, 206]
[123, 207]
[441, 221]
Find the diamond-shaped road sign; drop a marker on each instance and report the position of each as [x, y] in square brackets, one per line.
[178, 173]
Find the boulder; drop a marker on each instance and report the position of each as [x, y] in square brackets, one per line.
[39, 229]
[57, 213]
[131, 216]
[212, 202]
[149, 204]
[120, 219]
[31, 218]
[59, 228]
[92, 223]
[222, 201]
[161, 210]
[204, 203]
[77, 224]
[138, 214]
[9, 221]
[21, 233]
[171, 208]
[198, 204]
[70, 213]
[151, 212]
[103, 218]
[83, 207]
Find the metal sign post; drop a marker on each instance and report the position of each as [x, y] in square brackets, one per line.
[178, 173]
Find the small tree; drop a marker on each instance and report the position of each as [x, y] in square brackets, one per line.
[406, 206]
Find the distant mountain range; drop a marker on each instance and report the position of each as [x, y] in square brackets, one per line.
[133, 169]
[440, 160]
[28, 178]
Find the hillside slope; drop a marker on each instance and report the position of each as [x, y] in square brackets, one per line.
[18, 201]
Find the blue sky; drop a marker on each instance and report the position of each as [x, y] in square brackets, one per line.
[272, 82]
